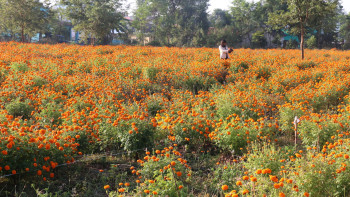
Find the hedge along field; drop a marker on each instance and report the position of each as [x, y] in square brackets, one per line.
[59, 102]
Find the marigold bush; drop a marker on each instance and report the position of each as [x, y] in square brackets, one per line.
[58, 102]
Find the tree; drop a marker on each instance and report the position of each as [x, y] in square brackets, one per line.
[96, 19]
[258, 39]
[173, 22]
[345, 31]
[220, 18]
[25, 17]
[243, 20]
[301, 15]
[142, 19]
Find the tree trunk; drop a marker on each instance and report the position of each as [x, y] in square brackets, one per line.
[302, 41]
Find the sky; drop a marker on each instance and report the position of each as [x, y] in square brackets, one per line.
[224, 4]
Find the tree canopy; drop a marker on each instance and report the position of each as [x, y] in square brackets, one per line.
[95, 19]
[254, 24]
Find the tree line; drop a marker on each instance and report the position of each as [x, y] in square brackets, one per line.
[260, 24]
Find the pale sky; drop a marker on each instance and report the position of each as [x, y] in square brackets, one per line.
[225, 4]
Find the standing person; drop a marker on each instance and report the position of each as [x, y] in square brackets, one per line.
[224, 50]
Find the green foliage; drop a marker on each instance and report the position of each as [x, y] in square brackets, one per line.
[151, 73]
[19, 108]
[226, 174]
[302, 15]
[96, 19]
[154, 105]
[220, 18]
[315, 132]
[286, 117]
[140, 139]
[292, 44]
[24, 17]
[166, 181]
[244, 18]
[130, 135]
[240, 67]
[258, 39]
[183, 24]
[38, 81]
[311, 43]
[263, 156]
[326, 183]
[264, 72]
[305, 65]
[19, 67]
[197, 83]
[50, 114]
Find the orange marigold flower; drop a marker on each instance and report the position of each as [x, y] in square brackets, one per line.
[245, 192]
[273, 178]
[224, 187]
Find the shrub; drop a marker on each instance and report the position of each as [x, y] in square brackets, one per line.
[38, 81]
[311, 43]
[50, 114]
[226, 174]
[154, 104]
[19, 67]
[236, 135]
[240, 67]
[19, 108]
[264, 72]
[263, 156]
[259, 40]
[166, 173]
[287, 114]
[316, 130]
[150, 73]
[305, 65]
[198, 83]
[104, 51]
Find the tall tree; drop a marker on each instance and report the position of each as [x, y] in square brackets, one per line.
[174, 22]
[142, 19]
[220, 18]
[344, 33]
[302, 15]
[243, 20]
[97, 19]
[26, 17]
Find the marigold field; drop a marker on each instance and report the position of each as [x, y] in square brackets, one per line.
[146, 121]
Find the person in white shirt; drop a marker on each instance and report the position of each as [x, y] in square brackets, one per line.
[224, 50]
